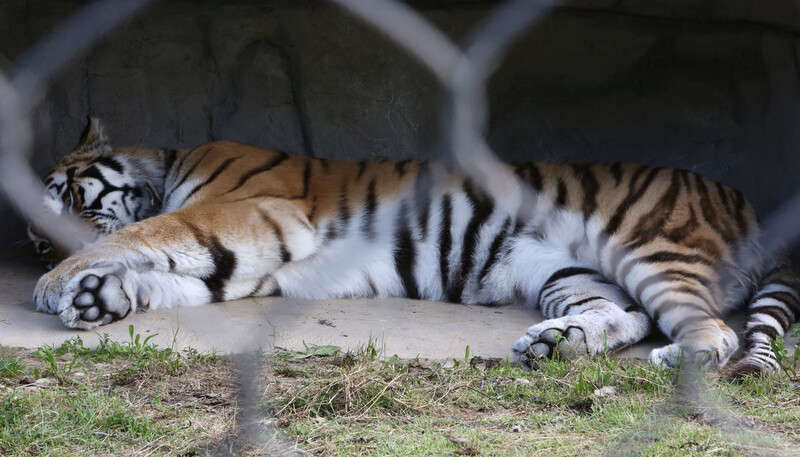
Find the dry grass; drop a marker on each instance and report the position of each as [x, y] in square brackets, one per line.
[357, 404]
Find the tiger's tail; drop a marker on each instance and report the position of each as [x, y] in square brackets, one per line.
[774, 307]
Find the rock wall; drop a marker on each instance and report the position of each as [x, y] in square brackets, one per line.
[711, 86]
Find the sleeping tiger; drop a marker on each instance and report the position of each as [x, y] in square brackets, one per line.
[605, 251]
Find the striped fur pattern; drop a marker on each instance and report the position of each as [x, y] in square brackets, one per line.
[606, 251]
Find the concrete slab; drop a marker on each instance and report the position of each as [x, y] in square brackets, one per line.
[408, 328]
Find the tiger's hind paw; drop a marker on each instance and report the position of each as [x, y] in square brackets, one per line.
[701, 356]
[93, 299]
[759, 359]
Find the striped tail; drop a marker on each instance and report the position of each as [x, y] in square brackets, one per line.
[772, 310]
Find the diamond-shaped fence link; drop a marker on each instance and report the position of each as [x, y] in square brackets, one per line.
[461, 69]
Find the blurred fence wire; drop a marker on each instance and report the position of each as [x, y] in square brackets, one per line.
[462, 70]
[20, 95]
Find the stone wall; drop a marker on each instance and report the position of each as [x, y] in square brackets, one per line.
[711, 86]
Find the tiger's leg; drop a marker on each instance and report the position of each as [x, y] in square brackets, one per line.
[587, 316]
[682, 294]
[196, 255]
[773, 308]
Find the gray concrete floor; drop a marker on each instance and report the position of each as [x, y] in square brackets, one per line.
[408, 328]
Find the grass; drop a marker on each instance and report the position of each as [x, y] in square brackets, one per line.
[135, 398]
[358, 404]
[126, 398]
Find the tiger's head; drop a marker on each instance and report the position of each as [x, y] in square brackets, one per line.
[107, 188]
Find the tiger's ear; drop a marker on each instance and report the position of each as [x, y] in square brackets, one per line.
[93, 134]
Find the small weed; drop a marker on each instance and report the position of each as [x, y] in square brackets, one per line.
[11, 367]
[61, 372]
[789, 364]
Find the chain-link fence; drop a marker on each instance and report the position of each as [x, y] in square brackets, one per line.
[462, 69]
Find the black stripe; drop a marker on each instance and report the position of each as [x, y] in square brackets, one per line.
[313, 209]
[670, 305]
[679, 234]
[362, 167]
[782, 296]
[777, 313]
[106, 188]
[667, 256]
[481, 211]
[768, 330]
[330, 233]
[647, 282]
[565, 273]
[286, 256]
[210, 179]
[687, 321]
[370, 205]
[372, 288]
[224, 261]
[565, 310]
[344, 208]
[549, 310]
[616, 172]
[709, 212]
[535, 177]
[71, 174]
[274, 162]
[170, 155]
[187, 174]
[669, 276]
[494, 250]
[192, 168]
[400, 167]
[261, 281]
[177, 167]
[306, 179]
[445, 241]
[739, 203]
[529, 173]
[651, 223]
[302, 221]
[561, 195]
[324, 164]
[723, 196]
[422, 197]
[546, 296]
[686, 290]
[171, 263]
[590, 187]
[633, 197]
[705, 282]
[405, 254]
[110, 163]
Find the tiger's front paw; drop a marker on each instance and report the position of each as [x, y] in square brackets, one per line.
[99, 300]
[92, 297]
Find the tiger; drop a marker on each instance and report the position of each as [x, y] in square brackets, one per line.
[609, 253]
